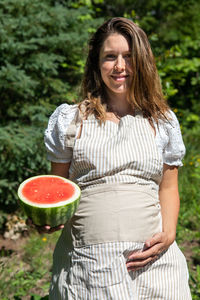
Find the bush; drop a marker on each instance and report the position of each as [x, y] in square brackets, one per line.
[22, 151]
[41, 53]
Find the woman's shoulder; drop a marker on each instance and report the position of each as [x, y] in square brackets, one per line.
[169, 123]
[56, 131]
[168, 120]
[65, 110]
[63, 115]
[171, 120]
[169, 139]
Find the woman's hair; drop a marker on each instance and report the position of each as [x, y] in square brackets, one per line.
[145, 92]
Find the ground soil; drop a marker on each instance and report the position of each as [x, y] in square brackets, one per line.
[12, 245]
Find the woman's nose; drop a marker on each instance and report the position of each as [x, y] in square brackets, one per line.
[120, 64]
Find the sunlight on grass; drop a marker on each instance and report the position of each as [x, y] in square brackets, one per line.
[28, 271]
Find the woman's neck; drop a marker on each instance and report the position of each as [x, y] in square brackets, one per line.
[119, 105]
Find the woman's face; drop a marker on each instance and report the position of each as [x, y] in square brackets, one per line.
[115, 64]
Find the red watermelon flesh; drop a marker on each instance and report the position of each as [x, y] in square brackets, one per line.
[47, 190]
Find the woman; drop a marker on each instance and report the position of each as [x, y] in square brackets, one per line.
[122, 145]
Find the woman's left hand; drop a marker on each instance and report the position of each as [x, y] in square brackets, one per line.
[152, 248]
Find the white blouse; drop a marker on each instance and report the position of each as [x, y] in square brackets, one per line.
[168, 137]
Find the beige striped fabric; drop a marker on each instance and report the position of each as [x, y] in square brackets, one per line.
[110, 213]
[116, 153]
[98, 272]
[105, 157]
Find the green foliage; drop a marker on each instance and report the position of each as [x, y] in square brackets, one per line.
[179, 73]
[195, 284]
[189, 176]
[41, 53]
[22, 152]
[37, 297]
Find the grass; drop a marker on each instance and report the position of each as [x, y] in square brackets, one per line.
[26, 273]
[188, 234]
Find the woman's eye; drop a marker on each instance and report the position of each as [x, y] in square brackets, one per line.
[110, 56]
[127, 55]
[113, 56]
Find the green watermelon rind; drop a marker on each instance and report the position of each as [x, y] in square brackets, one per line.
[52, 216]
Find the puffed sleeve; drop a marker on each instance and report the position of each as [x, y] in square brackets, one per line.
[174, 149]
[55, 134]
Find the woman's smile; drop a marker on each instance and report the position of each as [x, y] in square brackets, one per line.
[119, 78]
[116, 64]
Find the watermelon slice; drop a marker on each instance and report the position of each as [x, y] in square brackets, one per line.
[49, 199]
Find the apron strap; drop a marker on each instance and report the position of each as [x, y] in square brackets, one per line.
[72, 128]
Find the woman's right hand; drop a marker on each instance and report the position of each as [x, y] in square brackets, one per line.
[44, 229]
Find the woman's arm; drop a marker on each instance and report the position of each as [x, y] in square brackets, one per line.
[60, 169]
[169, 201]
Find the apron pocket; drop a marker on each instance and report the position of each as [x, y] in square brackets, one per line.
[105, 276]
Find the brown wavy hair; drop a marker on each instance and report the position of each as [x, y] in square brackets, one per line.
[145, 92]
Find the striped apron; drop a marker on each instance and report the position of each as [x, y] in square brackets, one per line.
[119, 169]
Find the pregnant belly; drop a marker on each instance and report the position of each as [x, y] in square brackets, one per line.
[109, 213]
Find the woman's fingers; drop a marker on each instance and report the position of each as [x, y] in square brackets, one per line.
[143, 255]
[157, 239]
[142, 259]
[53, 229]
[48, 229]
[152, 248]
[45, 228]
[136, 265]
